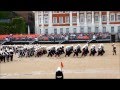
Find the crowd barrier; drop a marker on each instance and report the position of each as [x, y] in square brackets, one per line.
[56, 42]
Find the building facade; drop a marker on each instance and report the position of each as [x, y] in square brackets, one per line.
[61, 22]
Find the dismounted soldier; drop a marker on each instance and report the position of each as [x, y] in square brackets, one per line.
[11, 54]
[0, 55]
[59, 73]
[7, 55]
[114, 49]
[3, 55]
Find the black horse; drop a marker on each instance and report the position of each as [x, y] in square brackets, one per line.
[93, 51]
[85, 52]
[101, 51]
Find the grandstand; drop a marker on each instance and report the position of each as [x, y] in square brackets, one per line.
[58, 38]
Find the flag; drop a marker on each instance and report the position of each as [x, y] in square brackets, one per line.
[62, 65]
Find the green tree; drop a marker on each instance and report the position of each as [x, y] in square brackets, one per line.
[16, 26]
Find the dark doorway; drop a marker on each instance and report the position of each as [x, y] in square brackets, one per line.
[113, 38]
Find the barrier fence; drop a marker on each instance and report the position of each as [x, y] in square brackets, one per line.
[57, 38]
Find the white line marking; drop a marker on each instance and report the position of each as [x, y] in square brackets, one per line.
[90, 71]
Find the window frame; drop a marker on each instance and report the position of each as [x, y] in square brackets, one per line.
[118, 18]
[97, 29]
[105, 18]
[118, 29]
[89, 18]
[104, 30]
[55, 31]
[54, 19]
[40, 20]
[67, 18]
[60, 19]
[61, 29]
[89, 29]
[46, 12]
[111, 17]
[113, 29]
[95, 18]
[74, 30]
[54, 12]
[81, 29]
[46, 30]
[82, 17]
[73, 18]
[46, 19]
[67, 30]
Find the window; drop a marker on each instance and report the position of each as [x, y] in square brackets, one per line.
[74, 11]
[89, 29]
[67, 19]
[54, 19]
[55, 31]
[60, 11]
[39, 13]
[45, 12]
[104, 29]
[104, 18]
[74, 20]
[89, 18]
[60, 19]
[74, 30]
[96, 30]
[96, 18]
[67, 30]
[82, 29]
[112, 29]
[46, 31]
[40, 31]
[112, 17]
[46, 20]
[40, 20]
[66, 11]
[81, 17]
[54, 11]
[118, 18]
[61, 30]
[118, 29]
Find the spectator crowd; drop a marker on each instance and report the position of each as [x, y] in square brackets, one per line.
[55, 37]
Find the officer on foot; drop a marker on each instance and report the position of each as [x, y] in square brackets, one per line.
[11, 54]
[59, 73]
[114, 49]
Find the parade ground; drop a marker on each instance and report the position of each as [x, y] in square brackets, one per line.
[89, 67]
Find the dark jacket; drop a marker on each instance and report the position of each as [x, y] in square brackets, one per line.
[59, 75]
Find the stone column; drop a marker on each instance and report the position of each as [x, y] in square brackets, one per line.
[85, 23]
[71, 22]
[50, 22]
[78, 22]
[100, 21]
[108, 21]
[93, 22]
[36, 22]
[42, 23]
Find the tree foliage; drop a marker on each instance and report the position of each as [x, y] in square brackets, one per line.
[16, 26]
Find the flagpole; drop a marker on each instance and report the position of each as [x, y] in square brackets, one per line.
[61, 65]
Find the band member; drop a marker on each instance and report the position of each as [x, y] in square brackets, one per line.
[114, 49]
[59, 73]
